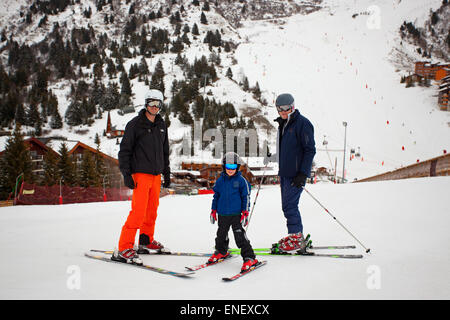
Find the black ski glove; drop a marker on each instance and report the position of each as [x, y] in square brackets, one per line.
[128, 181]
[300, 180]
[166, 183]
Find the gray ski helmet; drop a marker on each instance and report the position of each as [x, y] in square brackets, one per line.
[284, 99]
[231, 158]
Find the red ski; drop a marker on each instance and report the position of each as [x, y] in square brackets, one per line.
[240, 274]
[201, 266]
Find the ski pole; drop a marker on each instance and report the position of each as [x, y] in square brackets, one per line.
[326, 210]
[254, 202]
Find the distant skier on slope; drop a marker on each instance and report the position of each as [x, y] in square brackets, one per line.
[143, 156]
[230, 207]
[295, 153]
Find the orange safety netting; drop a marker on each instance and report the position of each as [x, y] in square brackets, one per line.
[34, 194]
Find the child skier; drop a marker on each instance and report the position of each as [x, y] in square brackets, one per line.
[230, 206]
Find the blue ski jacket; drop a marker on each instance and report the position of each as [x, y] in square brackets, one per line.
[296, 146]
[231, 194]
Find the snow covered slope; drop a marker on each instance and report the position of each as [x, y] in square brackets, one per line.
[404, 222]
[340, 69]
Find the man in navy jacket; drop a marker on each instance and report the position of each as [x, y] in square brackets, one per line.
[295, 152]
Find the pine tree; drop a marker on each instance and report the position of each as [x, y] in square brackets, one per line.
[157, 81]
[51, 172]
[176, 104]
[98, 70]
[195, 30]
[203, 18]
[66, 166]
[56, 120]
[126, 86]
[100, 168]
[199, 107]
[229, 73]
[257, 91]
[110, 100]
[19, 117]
[16, 160]
[38, 128]
[32, 115]
[245, 84]
[185, 116]
[110, 68]
[74, 114]
[87, 173]
[143, 67]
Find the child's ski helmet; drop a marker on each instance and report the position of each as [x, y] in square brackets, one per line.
[231, 158]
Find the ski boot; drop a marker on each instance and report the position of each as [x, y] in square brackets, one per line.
[126, 256]
[217, 256]
[293, 242]
[249, 263]
[146, 246]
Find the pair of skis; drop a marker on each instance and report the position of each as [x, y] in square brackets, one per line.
[270, 252]
[275, 250]
[95, 254]
[141, 266]
[232, 278]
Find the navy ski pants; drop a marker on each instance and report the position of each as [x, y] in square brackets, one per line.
[290, 196]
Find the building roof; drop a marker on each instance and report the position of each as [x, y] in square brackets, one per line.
[86, 147]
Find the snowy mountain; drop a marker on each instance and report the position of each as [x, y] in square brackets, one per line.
[342, 61]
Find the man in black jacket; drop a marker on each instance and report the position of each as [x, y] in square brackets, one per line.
[143, 157]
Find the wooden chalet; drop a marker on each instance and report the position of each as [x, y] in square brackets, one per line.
[37, 151]
[111, 164]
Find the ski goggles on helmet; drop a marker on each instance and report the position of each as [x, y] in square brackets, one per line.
[231, 166]
[153, 103]
[284, 108]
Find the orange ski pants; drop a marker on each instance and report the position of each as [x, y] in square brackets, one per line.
[144, 206]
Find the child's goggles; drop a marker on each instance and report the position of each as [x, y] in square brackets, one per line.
[153, 103]
[231, 166]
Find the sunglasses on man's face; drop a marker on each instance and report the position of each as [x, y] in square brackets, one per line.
[284, 108]
[153, 103]
[231, 166]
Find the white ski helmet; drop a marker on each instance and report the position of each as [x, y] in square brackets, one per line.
[154, 94]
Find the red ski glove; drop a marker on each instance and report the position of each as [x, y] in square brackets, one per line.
[244, 218]
[213, 216]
